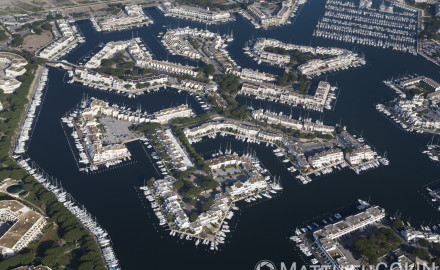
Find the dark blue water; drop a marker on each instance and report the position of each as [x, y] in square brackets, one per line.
[262, 230]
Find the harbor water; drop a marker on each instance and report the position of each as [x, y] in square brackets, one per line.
[261, 230]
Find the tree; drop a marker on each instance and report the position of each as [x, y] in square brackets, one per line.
[421, 253]
[209, 184]
[193, 217]
[18, 40]
[424, 242]
[18, 174]
[150, 181]
[436, 247]
[178, 185]
[192, 202]
[3, 35]
[207, 204]
[339, 129]
[397, 224]
[86, 266]
[209, 69]
[107, 62]
[27, 257]
[73, 235]
[119, 58]
[193, 192]
[47, 26]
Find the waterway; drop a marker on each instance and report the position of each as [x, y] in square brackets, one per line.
[262, 230]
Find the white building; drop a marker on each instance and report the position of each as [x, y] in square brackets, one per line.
[89, 76]
[280, 94]
[27, 226]
[194, 13]
[256, 76]
[140, 55]
[266, 20]
[60, 46]
[14, 66]
[326, 158]
[303, 125]
[352, 223]
[433, 85]
[359, 156]
[134, 17]
[165, 115]
[179, 157]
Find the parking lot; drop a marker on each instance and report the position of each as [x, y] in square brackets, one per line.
[116, 131]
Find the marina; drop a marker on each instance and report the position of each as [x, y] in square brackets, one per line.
[54, 185]
[32, 114]
[133, 17]
[387, 27]
[125, 219]
[415, 108]
[323, 98]
[327, 59]
[101, 141]
[211, 227]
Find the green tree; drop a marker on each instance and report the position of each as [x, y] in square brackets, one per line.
[397, 224]
[421, 253]
[47, 26]
[207, 204]
[424, 242]
[178, 185]
[436, 247]
[151, 181]
[193, 216]
[107, 62]
[209, 69]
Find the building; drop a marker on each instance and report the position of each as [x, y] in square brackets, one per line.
[412, 235]
[179, 157]
[255, 76]
[14, 66]
[134, 17]
[172, 206]
[140, 55]
[194, 13]
[326, 238]
[164, 190]
[326, 158]
[267, 20]
[359, 156]
[430, 83]
[91, 132]
[25, 224]
[60, 46]
[90, 76]
[352, 223]
[165, 115]
[280, 94]
[302, 125]
[251, 186]
[338, 58]
[318, 66]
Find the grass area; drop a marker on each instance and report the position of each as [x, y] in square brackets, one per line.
[29, 7]
[419, 89]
